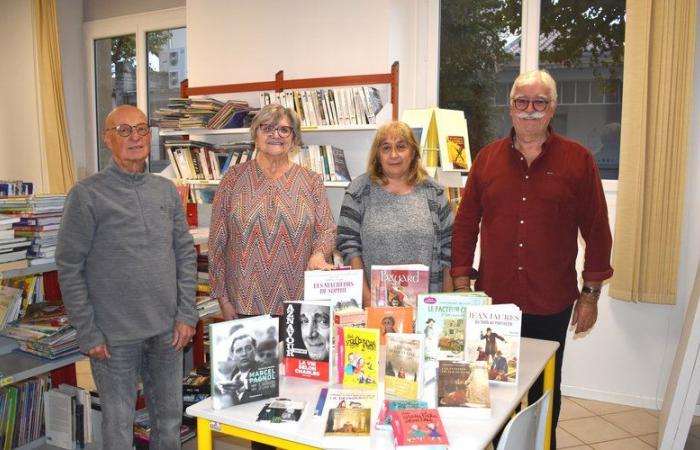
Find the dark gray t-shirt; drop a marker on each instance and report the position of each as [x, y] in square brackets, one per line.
[396, 229]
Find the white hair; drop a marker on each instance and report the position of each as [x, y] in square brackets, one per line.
[534, 76]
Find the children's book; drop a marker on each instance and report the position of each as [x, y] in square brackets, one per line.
[342, 287]
[463, 389]
[388, 319]
[357, 356]
[384, 417]
[244, 360]
[418, 427]
[398, 285]
[403, 369]
[440, 317]
[308, 327]
[493, 335]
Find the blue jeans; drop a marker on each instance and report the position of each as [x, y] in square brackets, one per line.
[159, 366]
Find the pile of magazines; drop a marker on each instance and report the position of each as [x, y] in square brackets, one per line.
[44, 330]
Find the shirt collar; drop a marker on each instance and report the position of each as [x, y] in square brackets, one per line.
[127, 177]
[545, 145]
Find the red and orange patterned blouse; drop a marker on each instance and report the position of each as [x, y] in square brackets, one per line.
[263, 233]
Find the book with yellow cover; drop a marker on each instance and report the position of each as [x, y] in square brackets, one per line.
[358, 356]
[403, 369]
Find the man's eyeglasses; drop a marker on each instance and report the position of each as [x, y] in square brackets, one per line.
[283, 130]
[538, 104]
[124, 130]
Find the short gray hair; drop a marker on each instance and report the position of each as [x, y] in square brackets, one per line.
[533, 76]
[273, 115]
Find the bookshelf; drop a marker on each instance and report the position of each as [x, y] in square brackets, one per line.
[355, 140]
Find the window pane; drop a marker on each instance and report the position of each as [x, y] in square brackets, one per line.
[583, 50]
[167, 67]
[115, 82]
[479, 59]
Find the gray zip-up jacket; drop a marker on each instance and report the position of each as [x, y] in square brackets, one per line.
[126, 262]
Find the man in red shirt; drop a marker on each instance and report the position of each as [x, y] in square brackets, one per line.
[528, 196]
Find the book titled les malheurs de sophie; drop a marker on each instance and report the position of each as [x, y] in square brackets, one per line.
[342, 287]
[244, 360]
[418, 428]
[307, 339]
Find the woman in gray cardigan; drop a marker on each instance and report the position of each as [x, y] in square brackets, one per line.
[395, 213]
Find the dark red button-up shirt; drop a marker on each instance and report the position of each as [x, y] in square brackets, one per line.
[530, 218]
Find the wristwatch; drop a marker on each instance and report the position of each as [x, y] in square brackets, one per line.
[593, 291]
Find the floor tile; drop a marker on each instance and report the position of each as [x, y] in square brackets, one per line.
[636, 421]
[692, 443]
[653, 412]
[578, 447]
[566, 439]
[600, 408]
[623, 444]
[593, 429]
[572, 410]
[651, 439]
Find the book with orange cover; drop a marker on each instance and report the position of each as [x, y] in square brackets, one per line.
[389, 319]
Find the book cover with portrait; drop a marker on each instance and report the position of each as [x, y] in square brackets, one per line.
[244, 360]
[308, 327]
[357, 356]
[440, 317]
[388, 319]
[342, 287]
[403, 367]
[492, 334]
[463, 389]
[398, 285]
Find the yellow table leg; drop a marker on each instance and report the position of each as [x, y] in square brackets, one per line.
[548, 385]
[204, 435]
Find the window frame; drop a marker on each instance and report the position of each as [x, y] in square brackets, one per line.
[138, 25]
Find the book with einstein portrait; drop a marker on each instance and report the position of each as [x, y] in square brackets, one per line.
[244, 360]
[307, 333]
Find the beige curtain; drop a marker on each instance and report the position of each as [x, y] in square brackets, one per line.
[657, 95]
[57, 151]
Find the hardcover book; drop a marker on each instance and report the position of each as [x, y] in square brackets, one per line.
[307, 339]
[440, 317]
[342, 287]
[398, 285]
[384, 417]
[244, 360]
[456, 153]
[493, 335]
[463, 387]
[389, 319]
[403, 369]
[418, 427]
[357, 356]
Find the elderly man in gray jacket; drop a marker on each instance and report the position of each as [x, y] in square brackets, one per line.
[127, 268]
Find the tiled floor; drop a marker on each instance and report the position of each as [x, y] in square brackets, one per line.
[583, 425]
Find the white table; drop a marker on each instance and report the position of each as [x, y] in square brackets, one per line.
[464, 434]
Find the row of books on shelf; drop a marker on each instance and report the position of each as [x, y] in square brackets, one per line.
[204, 112]
[15, 187]
[335, 106]
[22, 412]
[327, 160]
[16, 294]
[195, 160]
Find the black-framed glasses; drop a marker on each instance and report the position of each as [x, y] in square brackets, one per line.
[538, 104]
[125, 130]
[283, 130]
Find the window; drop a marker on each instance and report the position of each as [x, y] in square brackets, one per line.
[580, 43]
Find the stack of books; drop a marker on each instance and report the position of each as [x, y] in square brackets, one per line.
[234, 114]
[13, 250]
[187, 112]
[44, 330]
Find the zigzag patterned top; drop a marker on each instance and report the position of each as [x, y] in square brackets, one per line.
[263, 233]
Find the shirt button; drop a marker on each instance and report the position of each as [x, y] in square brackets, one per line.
[522, 221]
[524, 198]
[520, 245]
[527, 177]
[520, 268]
[521, 158]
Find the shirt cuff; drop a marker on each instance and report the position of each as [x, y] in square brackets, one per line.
[590, 275]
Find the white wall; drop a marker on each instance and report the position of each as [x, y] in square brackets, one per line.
[103, 9]
[20, 146]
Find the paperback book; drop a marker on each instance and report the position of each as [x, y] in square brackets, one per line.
[398, 285]
[282, 410]
[307, 339]
[348, 422]
[384, 416]
[342, 287]
[358, 356]
[463, 388]
[244, 360]
[349, 398]
[403, 370]
[493, 335]
[440, 317]
[389, 319]
[418, 427]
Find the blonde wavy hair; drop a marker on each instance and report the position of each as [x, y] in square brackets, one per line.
[416, 172]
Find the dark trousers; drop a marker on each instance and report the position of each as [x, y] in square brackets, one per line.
[550, 328]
